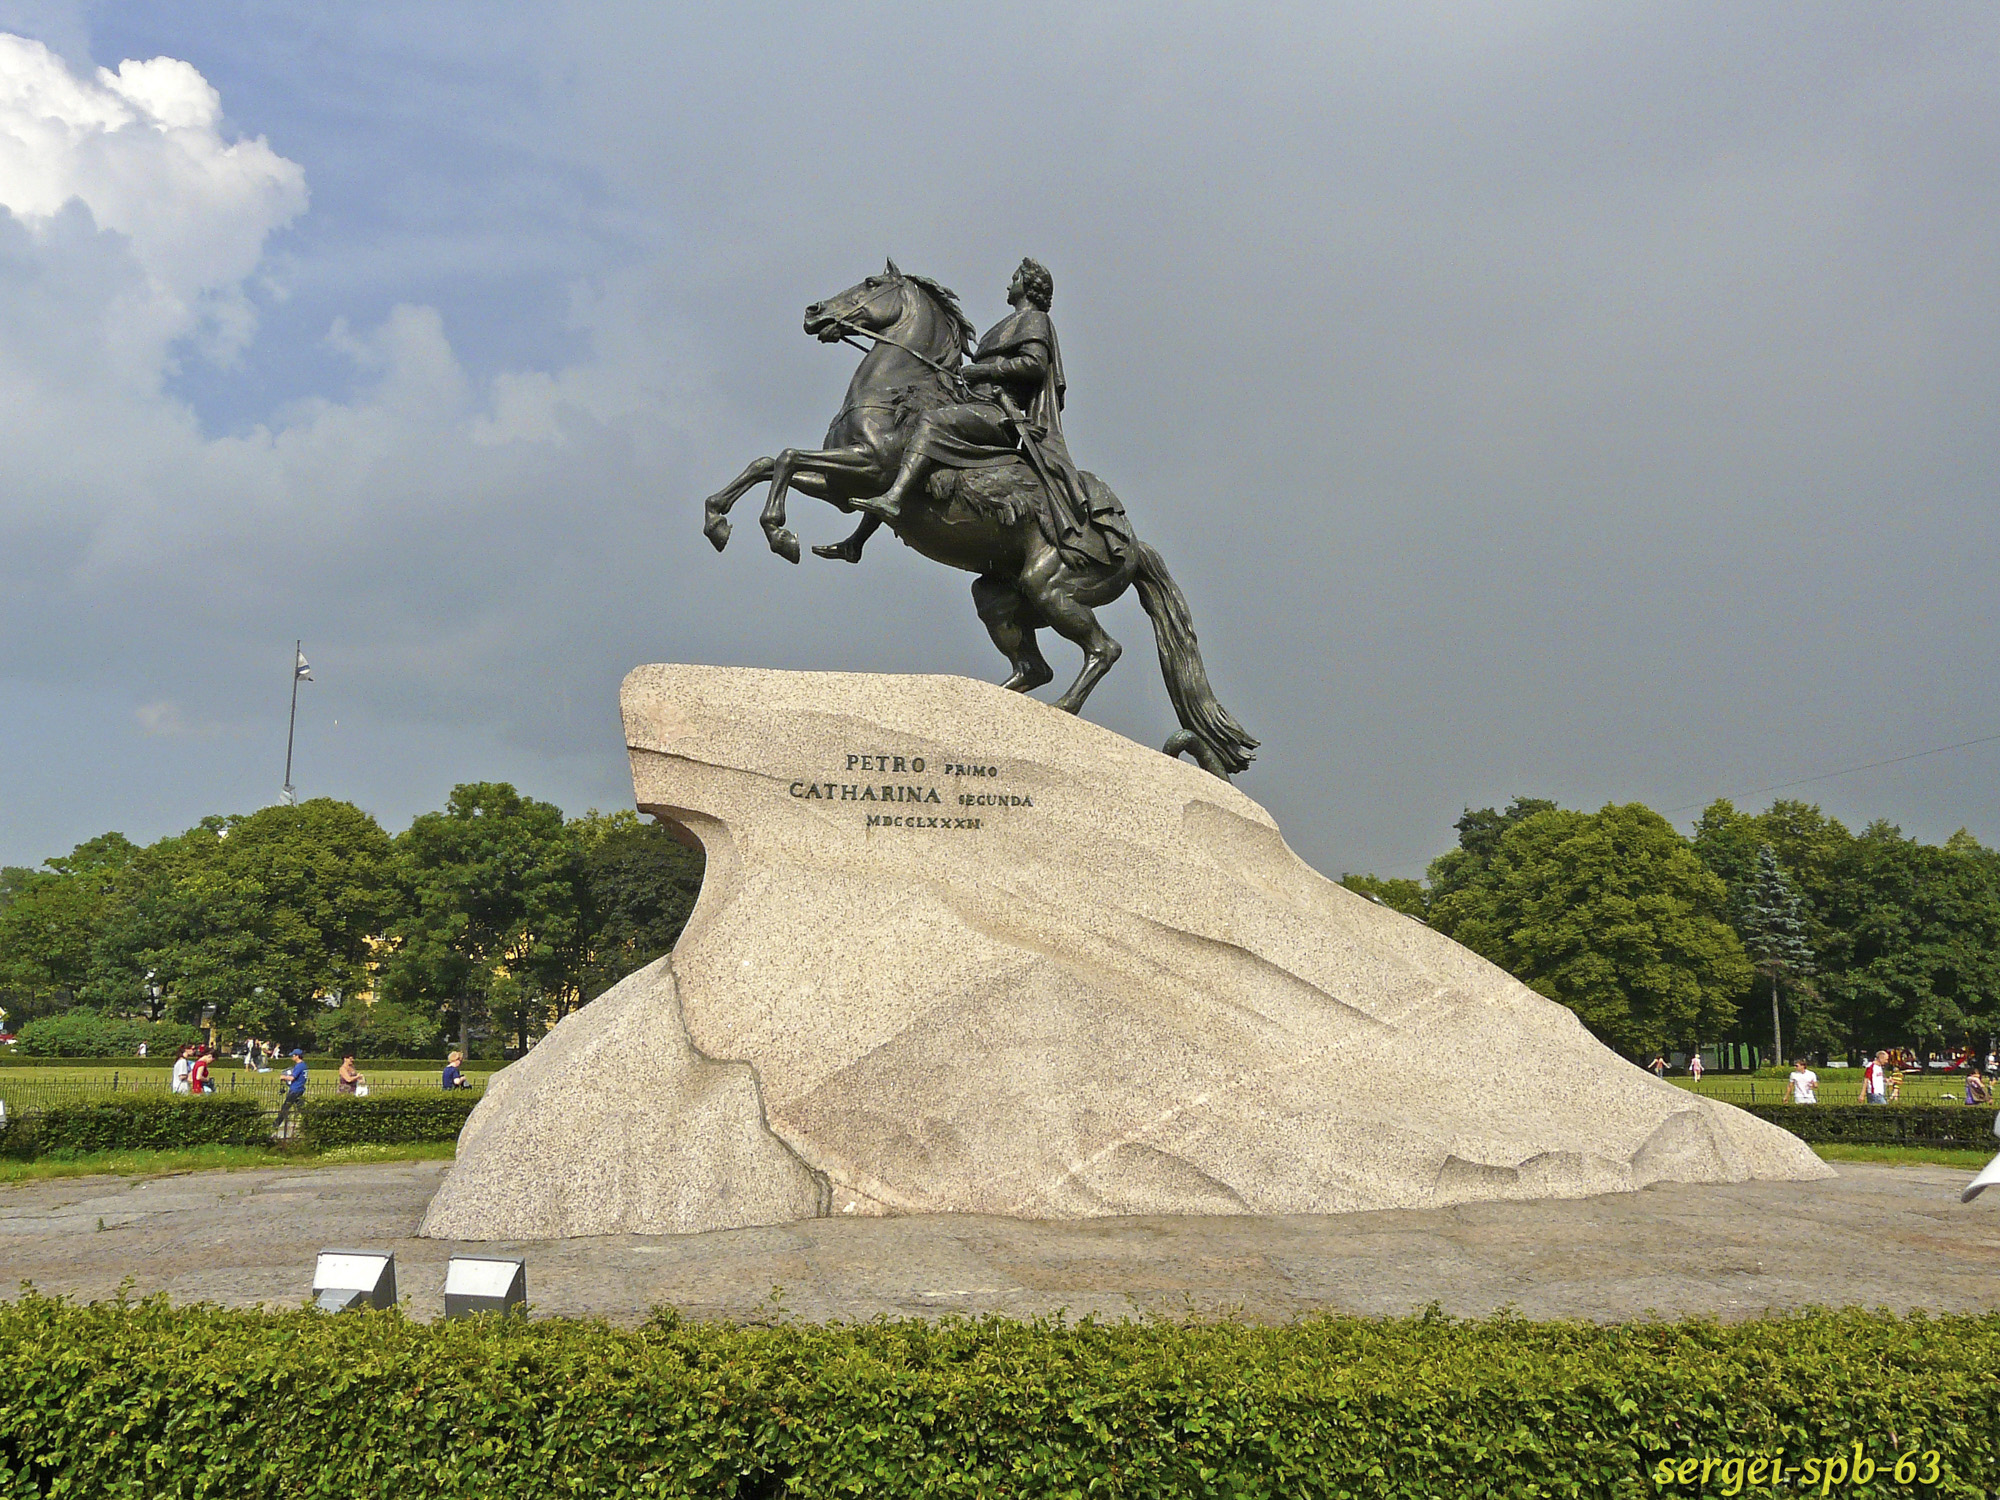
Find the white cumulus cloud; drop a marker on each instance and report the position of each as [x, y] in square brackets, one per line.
[142, 151]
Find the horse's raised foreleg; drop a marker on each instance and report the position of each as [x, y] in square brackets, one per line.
[715, 511]
[827, 464]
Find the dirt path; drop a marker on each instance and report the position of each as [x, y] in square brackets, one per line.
[1877, 1236]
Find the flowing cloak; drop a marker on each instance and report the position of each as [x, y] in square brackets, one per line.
[1084, 521]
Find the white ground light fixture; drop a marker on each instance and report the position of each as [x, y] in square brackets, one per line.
[1985, 1179]
[485, 1283]
[346, 1279]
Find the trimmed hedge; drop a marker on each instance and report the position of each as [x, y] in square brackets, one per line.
[398, 1120]
[168, 1123]
[16, 1060]
[137, 1124]
[1950, 1126]
[131, 1400]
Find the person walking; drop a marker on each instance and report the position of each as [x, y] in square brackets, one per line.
[454, 1075]
[294, 1079]
[1875, 1080]
[1803, 1086]
[349, 1078]
[1976, 1091]
[1694, 1066]
[198, 1083]
[1658, 1066]
[183, 1065]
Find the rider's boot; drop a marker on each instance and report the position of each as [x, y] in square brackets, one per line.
[888, 506]
[850, 550]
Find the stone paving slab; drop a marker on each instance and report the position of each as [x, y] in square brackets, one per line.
[1876, 1236]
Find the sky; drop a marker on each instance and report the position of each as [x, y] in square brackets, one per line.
[1586, 401]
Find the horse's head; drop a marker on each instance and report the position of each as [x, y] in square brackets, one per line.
[870, 306]
[933, 323]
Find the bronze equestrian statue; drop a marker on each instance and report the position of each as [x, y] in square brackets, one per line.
[967, 464]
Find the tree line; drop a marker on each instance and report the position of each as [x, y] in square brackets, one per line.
[1759, 926]
[488, 920]
[495, 916]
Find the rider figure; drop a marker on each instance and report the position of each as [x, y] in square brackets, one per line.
[1015, 387]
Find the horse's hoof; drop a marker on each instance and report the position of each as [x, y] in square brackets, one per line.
[838, 552]
[717, 531]
[785, 545]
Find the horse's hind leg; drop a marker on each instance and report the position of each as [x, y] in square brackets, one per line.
[1052, 592]
[715, 511]
[1012, 627]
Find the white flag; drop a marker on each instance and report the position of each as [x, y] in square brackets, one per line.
[303, 671]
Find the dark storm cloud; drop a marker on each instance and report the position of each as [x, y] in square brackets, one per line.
[1573, 400]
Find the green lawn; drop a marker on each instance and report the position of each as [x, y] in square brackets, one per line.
[1907, 1156]
[211, 1159]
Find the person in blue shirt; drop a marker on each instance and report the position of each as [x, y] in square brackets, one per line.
[454, 1076]
[294, 1079]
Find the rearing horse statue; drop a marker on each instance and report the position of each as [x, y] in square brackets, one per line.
[990, 521]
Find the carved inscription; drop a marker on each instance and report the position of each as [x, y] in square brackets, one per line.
[908, 789]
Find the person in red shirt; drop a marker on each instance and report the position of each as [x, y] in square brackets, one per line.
[198, 1075]
[1875, 1081]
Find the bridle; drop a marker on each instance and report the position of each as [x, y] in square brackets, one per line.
[850, 329]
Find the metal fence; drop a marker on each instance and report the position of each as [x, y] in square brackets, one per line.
[1840, 1086]
[39, 1091]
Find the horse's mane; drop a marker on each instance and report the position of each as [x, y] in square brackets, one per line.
[947, 300]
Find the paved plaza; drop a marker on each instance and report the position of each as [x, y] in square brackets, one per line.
[1878, 1236]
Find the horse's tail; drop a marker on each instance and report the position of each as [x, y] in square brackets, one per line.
[1220, 743]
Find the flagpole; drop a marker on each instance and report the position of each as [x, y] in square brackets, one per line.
[298, 651]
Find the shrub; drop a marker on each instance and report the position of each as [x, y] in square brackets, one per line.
[1937, 1125]
[402, 1121]
[137, 1124]
[148, 1399]
[383, 1029]
[167, 1123]
[89, 1033]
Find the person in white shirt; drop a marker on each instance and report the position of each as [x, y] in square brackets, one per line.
[183, 1065]
[1803, 1084]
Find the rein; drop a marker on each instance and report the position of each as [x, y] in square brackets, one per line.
[852, 328]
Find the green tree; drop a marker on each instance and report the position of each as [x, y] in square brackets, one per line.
[1903, 932]
[1913, 952]
[14, 879]
[380, 1029]
[50, 924]
[1479, 838]
[640, 884]
[490, 891]
[264, 921]
[1772, 923]
[1395, 892]
[1810, 847]
[1610, 913]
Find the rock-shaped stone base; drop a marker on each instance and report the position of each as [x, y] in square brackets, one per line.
[971, 954]
[616, 1125]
